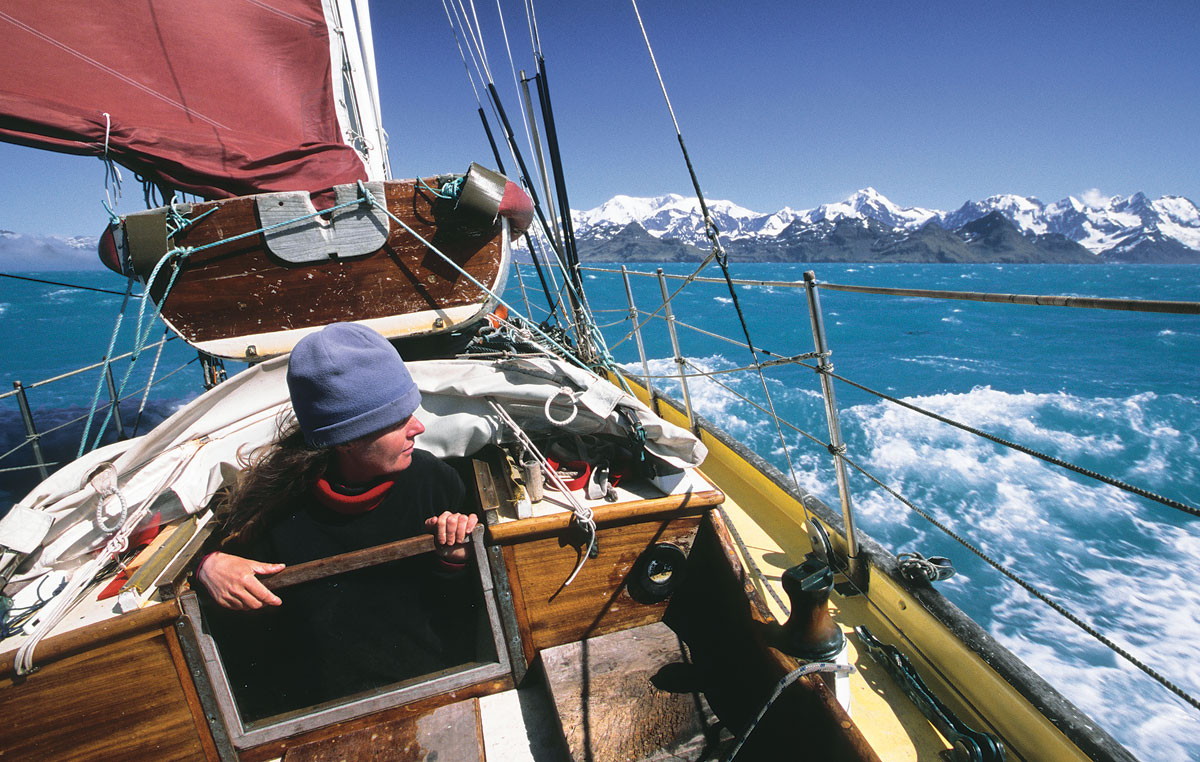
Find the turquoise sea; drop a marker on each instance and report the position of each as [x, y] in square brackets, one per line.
[1115, 392]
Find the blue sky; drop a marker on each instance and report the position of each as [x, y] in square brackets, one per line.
[781, 103]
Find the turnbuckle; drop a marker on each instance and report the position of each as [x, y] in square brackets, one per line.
[969, 745]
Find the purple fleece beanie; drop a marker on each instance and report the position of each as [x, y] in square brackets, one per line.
[347, 381]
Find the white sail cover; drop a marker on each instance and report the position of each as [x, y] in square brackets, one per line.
[186, 459]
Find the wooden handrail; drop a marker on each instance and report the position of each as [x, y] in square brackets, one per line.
[346, 562]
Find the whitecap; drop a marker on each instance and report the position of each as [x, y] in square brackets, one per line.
[723, 300]
[709, 398]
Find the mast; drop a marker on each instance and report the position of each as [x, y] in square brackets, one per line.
[359, 110]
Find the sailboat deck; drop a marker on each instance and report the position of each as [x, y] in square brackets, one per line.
[891, 723]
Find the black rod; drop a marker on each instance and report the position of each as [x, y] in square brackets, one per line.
[550, 296]
[560, 182]
[487, 128]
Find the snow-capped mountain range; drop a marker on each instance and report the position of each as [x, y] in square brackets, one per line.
[865, 226]
[1112, 228]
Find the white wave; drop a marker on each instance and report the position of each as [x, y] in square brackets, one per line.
[1145, 604]
[709, 398]
[1106, 555]
[952, 320]
[722, 300]
[943, 361]
[1166, 332]
[4, 306]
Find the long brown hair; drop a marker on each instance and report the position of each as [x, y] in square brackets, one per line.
[274, 478]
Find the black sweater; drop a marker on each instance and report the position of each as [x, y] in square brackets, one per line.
[359, 630]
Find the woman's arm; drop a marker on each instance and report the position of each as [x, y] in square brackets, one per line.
[232, 581]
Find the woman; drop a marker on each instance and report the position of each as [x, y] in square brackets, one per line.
[345, 476]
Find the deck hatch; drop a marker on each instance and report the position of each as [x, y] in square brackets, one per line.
[244, 734]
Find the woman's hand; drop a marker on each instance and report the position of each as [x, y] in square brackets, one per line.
[232, 581]
[450, 533]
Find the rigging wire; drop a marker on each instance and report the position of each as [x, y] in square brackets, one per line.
[531, 20]
[112, 342]
[1112, 482]
[718, 251]
[567, 256]
[1030, 588]
[65, 285]
[459, 18]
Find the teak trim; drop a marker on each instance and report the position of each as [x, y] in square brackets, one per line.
[105, 631]
[687, 504]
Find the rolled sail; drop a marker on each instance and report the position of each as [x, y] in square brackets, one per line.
[221, 98]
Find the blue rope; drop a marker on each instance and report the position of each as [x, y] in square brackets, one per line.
[112, 343]
[175, 256]
[449, 191]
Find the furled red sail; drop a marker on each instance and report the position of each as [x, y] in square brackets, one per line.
[218, 98]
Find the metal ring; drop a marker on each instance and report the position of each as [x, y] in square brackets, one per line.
[564, 391]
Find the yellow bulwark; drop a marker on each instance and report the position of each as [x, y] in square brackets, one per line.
[770, 523]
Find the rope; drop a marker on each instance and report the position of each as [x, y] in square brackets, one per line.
[67, 285]
[1185, 508]
[916, 567]
[572, 397]
[1037, 300]
[1028, 587]
[117, 544]
[175, 256]
[780, 687]
[112, 175]
[112, 342]
[146, 390]
[754, 568]
[107, 487]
